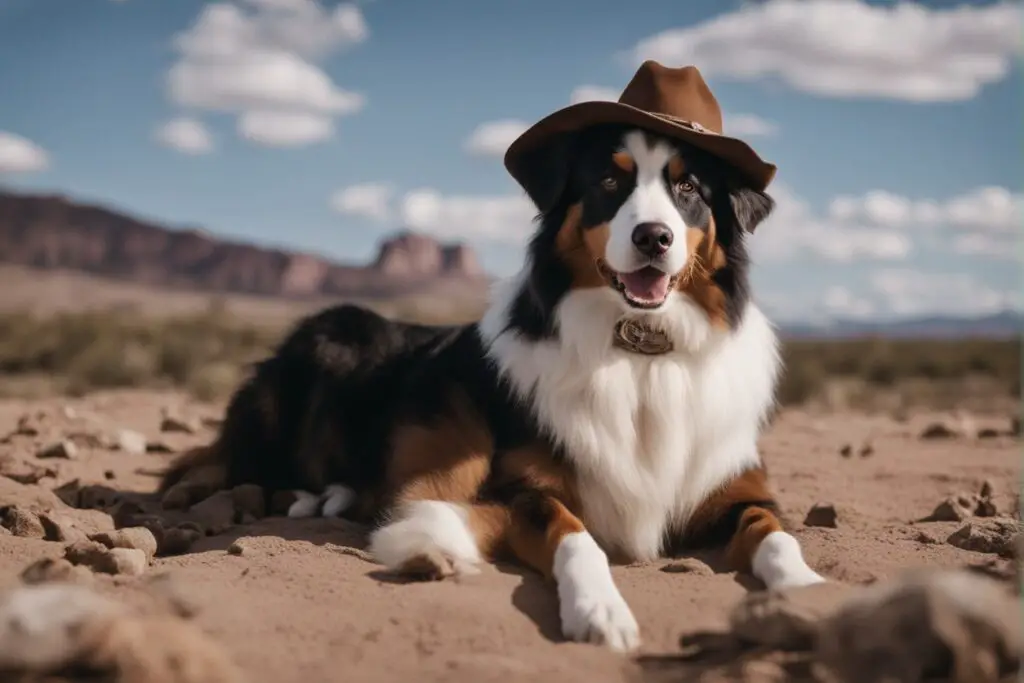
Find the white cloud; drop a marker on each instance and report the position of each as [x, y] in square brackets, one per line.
[493, 138]
[284, 129]
[21, 155]
[748, 125]
[849, 48]
[840, 302]
[366, 200]
[794, 230]
[590, 93]
[506, 219]
[186, 135]
[259, 60]
[909, 293]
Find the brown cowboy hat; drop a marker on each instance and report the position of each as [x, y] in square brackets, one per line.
[672, 102]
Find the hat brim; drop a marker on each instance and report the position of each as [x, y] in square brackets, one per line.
[758, 172]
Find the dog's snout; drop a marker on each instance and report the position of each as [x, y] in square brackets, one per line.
[652, 239]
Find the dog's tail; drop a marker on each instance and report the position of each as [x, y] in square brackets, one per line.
[203, 466]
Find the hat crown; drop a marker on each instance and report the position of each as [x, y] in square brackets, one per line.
[678, 93]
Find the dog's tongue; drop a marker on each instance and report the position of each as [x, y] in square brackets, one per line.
[646, 284]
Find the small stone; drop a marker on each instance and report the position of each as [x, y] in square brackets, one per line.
[847, 450]
[867, 449]
[70, 493]
[987, 489]
[158, 447]
[992, 536]
[53, 570]
[954, 509]
[109, 474]
[178, 541]
[23, 523]
[60, 528]
[130, 442]
[128, 561]
[281, 501]
[23, 471]
[99, 558]
[988, 433]
[137, 537]
[986, 508]
[822, 514]
[238, 547]
[937, 430]
[688, 565]
[249, 499]
[172, 422]
[216, 514]
[64, 448]
[926, 538]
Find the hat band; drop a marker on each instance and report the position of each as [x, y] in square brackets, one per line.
[692, 125]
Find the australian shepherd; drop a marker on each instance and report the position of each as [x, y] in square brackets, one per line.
[606, 407]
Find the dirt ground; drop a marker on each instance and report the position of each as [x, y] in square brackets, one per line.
[296, 600]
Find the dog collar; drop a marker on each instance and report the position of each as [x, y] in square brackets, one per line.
[636, 337]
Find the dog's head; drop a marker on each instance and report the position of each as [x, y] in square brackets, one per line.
[648, 217]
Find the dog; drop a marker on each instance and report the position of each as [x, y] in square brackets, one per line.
[605, 408]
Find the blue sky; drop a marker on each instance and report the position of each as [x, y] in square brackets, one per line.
[324, 127]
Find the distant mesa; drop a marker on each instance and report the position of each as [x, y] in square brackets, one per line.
[54, 232]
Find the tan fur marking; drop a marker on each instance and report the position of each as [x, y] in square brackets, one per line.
[696, 279]
[489, 524]
[755, 523]
[447, 460]
[537, 548]
[580, 249]
[624, 160]
[676, 167]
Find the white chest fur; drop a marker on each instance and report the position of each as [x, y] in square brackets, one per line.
[650, 436]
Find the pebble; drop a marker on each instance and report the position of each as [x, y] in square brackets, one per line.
[688, 565]
[954, 509]
[23, 523]
[60, 528]
[54, 569]
[139, 538]
[65, 448]
[238, 547]
[130, 442]
[991, 536]
[937, 430]
[99, 558]
[822, 515]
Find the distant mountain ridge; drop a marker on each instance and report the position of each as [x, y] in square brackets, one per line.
[1006, 324]
[54, 232]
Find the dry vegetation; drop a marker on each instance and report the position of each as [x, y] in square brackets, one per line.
[206, 352]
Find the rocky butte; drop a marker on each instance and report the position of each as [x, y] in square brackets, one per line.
[57, 233]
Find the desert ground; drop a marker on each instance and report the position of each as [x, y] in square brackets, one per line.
[275, 600]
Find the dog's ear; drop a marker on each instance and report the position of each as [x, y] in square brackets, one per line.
[750, 207]
[546, 171]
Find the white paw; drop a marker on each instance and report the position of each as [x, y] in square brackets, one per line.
[600, 619]
[779, 563]
[428, 529]
[337, 499]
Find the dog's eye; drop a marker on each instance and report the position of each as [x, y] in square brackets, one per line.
[609, 184]
[684, 187]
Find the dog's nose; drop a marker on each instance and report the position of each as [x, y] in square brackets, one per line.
[652, 239]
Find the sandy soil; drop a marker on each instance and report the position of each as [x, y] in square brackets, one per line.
[296, 600]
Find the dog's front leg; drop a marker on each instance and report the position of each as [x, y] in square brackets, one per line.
[547, 536]
[743, 516]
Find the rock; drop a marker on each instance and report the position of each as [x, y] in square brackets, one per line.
[688, 565]
[130, 442]
[173, 422]
[954, 509]
[54, 569]
[60, 528]
[954, 626]
[238, 547]
[99, 558]
[991, 536]
[139, 538]
[70, 493]
[988, 433]
[785, 619]
[822, 514]
[158, 447]
[867, 449]
[987, 489]
[23, 471]
[937, 430]
[216, 514]
[109, 474]
[178, 541]
[986, 508]
[64, 448]
[926, 538]
[23, 523]
[846, 450]
[280, 501]
[249, 499]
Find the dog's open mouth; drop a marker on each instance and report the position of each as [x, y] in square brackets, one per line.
[647, 287]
